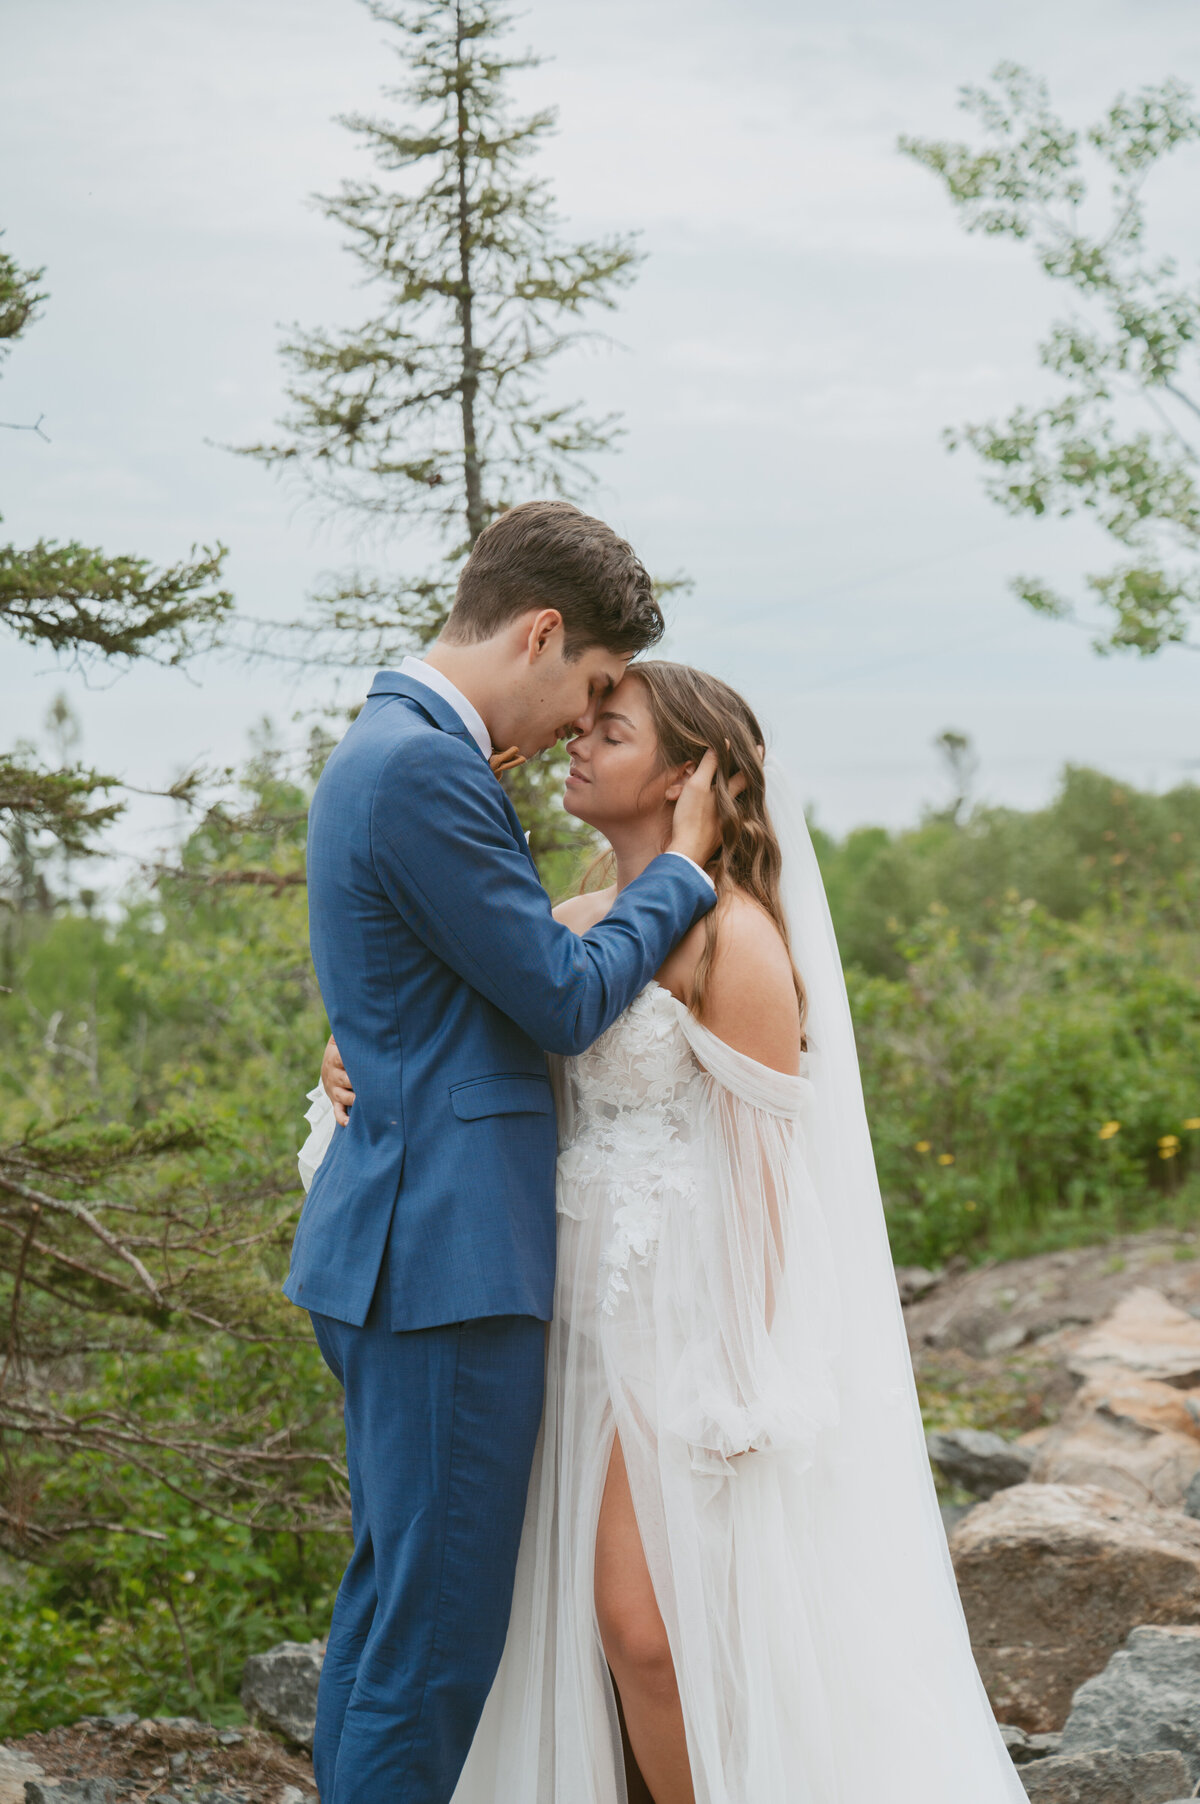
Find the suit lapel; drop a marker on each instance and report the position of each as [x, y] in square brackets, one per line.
[439, 713]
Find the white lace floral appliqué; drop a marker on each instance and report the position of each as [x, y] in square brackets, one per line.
[630, 1147]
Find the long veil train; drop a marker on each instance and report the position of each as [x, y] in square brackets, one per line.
[842, 1558]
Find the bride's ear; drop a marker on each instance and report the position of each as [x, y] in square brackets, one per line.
[674, 788]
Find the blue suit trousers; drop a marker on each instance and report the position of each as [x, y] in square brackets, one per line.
[441, 1425]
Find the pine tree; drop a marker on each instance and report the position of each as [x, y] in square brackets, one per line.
[433, 411]
[85, 603]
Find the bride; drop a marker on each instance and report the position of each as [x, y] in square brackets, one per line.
[733, 1585]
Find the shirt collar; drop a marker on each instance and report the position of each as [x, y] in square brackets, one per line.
[472, 719]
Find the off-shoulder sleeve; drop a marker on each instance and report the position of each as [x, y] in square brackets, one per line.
[747, 1310]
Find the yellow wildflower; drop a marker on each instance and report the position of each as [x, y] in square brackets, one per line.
[1171, 1140]
[1109, 1129]
[1192, 1123]
[971, 1203]
[945, 1158]
[923, 1146]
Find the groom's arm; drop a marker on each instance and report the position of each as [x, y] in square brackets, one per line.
[444, 850]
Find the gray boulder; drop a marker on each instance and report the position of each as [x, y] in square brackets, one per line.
[70, 1791]
[15, 1770]
[1191, 1496]
[1147, 1697]
[1054, 1577]
[279, 1688]
[916, 1281]
[1107, 1776]
[981, 1462]
[1023, 1748]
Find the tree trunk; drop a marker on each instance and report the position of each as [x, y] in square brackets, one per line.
[472, 473]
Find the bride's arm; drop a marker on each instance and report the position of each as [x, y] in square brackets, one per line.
[734, 1270]
[330, 1100]
[336, 1083]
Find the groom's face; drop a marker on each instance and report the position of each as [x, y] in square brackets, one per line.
[557, 697]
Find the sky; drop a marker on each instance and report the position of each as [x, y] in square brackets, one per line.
[809, 319]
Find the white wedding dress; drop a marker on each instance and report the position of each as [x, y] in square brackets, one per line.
[725, 1301]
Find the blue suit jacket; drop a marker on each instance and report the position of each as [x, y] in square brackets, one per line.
[446, 979]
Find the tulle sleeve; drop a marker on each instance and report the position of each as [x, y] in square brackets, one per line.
[747, 1308]
[319, 1117]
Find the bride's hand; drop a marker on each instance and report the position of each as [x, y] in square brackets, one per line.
[696, 828]
[336, 1084]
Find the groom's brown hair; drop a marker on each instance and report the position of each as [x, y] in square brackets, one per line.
[547, 554]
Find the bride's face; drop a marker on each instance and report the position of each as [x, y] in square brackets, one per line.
[615, 778]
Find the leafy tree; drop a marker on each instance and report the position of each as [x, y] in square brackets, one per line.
[1098, 846]
[962, 763]
[84, 603]
[433, 411]
[1121, 440]
[160, 1404]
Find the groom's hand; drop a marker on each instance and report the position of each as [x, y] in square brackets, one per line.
[696, 830]
[336, 1084]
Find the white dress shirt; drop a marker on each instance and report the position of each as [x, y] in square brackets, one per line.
[467, 712]
[472, 719]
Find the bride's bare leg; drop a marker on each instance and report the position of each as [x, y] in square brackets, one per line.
[635, 1644]
[637, 1791]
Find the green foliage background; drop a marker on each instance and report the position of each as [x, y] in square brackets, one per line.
[1018, 980]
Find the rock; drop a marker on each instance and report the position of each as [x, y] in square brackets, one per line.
[1054, 1299]
[279, 1688]
[1191, 1496]
[1146, 1335]
[230, 1738]
[1054, 1577]
[980, 1462]
[70, 1791]
[1023, 1748]
[1147, 1697]
[1016, 1741]
[953, 1513]
[916, 1281]
[1137, 1436]
[15, 1770]
[1107, 1777]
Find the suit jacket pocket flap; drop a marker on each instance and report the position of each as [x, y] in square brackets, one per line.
[511, 1095]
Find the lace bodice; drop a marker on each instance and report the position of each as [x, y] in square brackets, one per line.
[630, 1141]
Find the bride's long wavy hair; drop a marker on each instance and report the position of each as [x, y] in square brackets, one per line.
[692, 711]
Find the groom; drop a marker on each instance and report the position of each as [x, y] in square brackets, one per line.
[425, 1251]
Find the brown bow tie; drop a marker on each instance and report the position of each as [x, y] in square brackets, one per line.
[501, 762]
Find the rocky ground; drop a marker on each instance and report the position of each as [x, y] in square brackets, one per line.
[1062, 1395]
[117, 1760]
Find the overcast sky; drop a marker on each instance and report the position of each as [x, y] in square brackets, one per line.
[809, 318]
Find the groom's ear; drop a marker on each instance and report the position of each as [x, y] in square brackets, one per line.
[542, 627]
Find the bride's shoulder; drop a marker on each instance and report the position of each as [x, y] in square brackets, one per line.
[749, 992]
[581, 912]
[750, 948]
